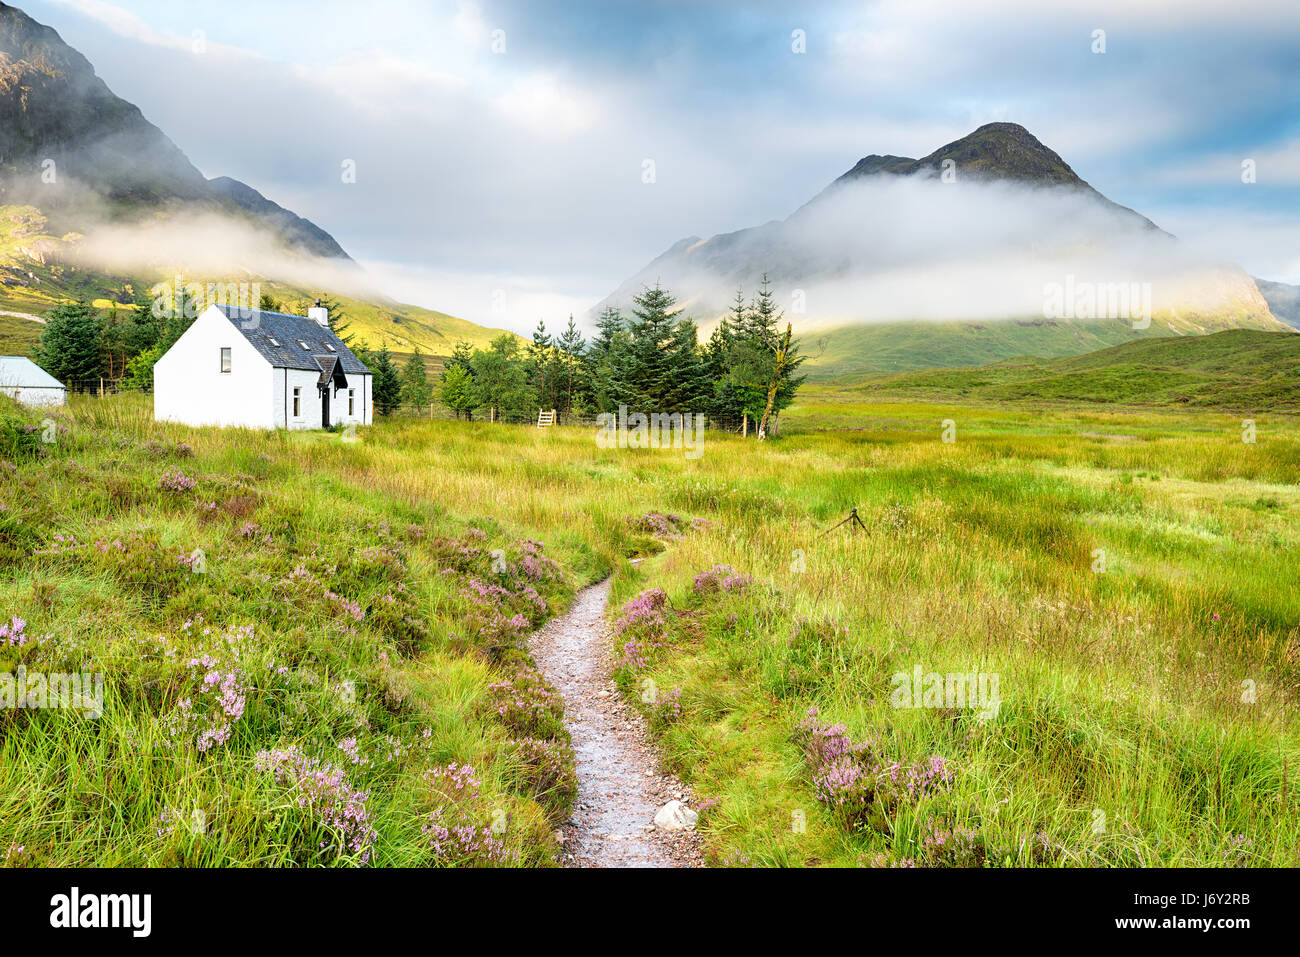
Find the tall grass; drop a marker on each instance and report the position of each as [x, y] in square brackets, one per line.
[1125, 734]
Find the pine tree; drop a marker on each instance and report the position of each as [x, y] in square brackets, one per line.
[725, 402]
[112, 343]
[572, 384]
[70, 343]
[416, 391]
[461, 354]
[608, 358]
[610, 325]
[764, 362]
[649, 379]
[763, 319]
[687, 383]
[142, 328]
[338, 321]
[387, 387]
[540, 365]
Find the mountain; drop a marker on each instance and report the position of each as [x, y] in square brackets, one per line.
[1239, 369]
[995, 152]
[1283, 300]
[301, 233]
[80, 153]
[97, 202]
[967, 253]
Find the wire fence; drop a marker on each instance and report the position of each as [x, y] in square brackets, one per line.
[97, 387]
[584, 419]
[102, 387]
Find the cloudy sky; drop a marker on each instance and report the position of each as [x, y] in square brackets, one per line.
[503, 145]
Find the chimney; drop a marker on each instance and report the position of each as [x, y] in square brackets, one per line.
[320, 314]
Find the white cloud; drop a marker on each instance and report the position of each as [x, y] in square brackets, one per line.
[1273, 165]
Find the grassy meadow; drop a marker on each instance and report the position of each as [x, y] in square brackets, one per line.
[354, 640]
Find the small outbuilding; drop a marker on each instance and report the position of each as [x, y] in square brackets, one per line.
[23, 380]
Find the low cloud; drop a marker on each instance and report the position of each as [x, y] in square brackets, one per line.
[894, 248]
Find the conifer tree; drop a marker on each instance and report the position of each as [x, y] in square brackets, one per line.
[461, 354]
[70, 343]
[387, 387]
[572, 384]
[725, 403]
[608, 358]
[540, 365]
[649, 380]
[416, 391]
[338, 321]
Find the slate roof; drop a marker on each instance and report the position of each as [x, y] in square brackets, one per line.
[21, 372]
[260, 328]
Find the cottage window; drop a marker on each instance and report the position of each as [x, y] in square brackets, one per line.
[297, 401]
[274, 341]
[352, 401]
[305, 347]
[225, 358]
[330, 347]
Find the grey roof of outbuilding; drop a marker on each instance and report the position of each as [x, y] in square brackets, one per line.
[259, 328]
[22, 372]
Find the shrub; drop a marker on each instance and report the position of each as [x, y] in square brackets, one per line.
[527, 705]
[549, 775]
[456, 831]
[720, 578]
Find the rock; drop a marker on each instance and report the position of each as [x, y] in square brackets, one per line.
[675, 816]
[559, 837]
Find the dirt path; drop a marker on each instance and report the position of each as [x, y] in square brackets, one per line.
[619, 784]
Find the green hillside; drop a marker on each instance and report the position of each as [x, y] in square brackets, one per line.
[856, 351]
[36, 275]
[1240, 369]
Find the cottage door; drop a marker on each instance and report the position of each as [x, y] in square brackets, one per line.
[325, 408]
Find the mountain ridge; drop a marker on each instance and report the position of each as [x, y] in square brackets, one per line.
[66, 138]
[877, 237]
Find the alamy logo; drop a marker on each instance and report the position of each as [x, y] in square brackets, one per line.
[956, 690]
[658, 430]
[1098, 300]
[133, 911]
[38, 690]
[179, 299]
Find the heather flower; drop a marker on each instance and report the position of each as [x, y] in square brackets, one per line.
[661, 526]
[1239, 849]
[527, 705]
[646, 610]
[456, 833]
[14, 633]
[176, 482]
[720, 578]
[324, 791]
[956, 847]
[851, 780]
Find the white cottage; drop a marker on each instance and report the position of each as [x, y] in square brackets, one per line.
[265, 370]
[23, 380]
